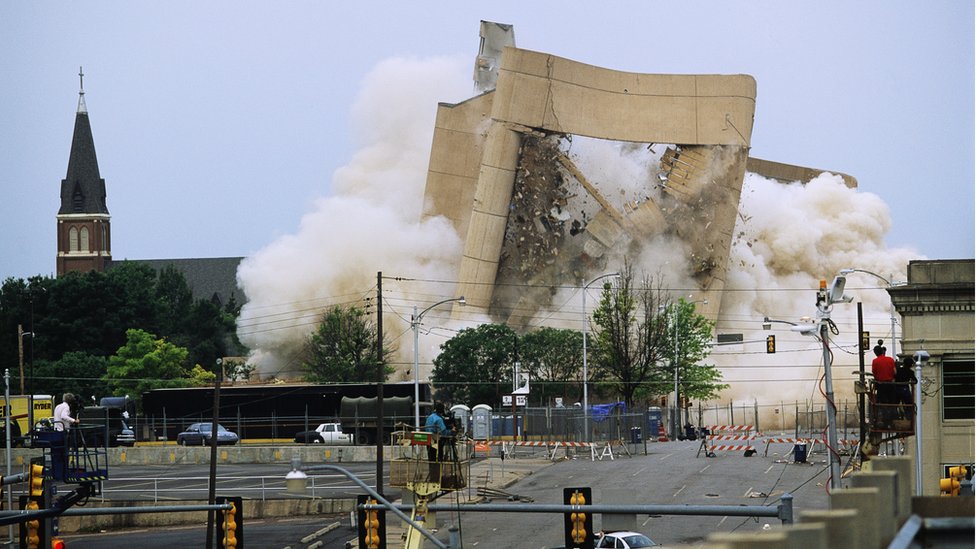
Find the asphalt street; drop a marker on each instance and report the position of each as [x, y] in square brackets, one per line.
[670, 473]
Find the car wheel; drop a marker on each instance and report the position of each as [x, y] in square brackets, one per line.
[181, 441]
[316, 440]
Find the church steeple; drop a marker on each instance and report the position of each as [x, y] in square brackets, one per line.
[83, 220]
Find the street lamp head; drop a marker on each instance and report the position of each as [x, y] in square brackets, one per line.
[921, 356]
[461, 301]
[846, 272]
[805, 329]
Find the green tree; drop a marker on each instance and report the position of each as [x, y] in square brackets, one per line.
[145, 363]
[690, 335]
[629, 337]
[75, 372]
[343, 349]
[475, 366]
[554, 359]
[173, 301]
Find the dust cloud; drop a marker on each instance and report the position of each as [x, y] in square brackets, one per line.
[786, 238]
[367, 224]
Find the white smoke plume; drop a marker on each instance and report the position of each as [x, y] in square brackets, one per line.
[787, 238]
[368, 224]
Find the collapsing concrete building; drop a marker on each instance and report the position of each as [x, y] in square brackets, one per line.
[503, 171]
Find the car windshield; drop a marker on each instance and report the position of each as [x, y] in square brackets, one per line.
[638, 540]
[206, 428]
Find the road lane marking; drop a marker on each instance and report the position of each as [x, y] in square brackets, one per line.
[770, 469]
[721, 521]
[749, 491]
[666, 456]
[639, 471]
[706, 467]
[679, 491]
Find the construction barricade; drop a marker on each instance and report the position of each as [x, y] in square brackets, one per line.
[728, 438]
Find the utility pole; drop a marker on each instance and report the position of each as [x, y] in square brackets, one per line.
[380, 378]
[20, 353]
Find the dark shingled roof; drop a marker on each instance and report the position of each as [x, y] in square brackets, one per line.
[82, 189]
[207, 277]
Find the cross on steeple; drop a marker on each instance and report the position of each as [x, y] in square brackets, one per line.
[82, 108]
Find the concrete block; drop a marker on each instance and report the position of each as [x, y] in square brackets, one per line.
[866, 502]
[809, 536]
[887, 503]
[839, 524]
[904, 467]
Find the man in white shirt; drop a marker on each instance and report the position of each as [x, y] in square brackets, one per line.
[62, 413]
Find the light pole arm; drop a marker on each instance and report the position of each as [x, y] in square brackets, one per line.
[415, 324]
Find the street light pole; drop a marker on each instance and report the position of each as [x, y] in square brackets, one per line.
[921, 357]
[891, 312]
[677, 364]
[586, 399]
[415, 324]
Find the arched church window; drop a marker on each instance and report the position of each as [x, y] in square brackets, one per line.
[83, 244]
[72, 239]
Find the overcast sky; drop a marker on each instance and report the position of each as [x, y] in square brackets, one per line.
[217, 124]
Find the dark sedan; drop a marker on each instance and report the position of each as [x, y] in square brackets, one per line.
[199, 434]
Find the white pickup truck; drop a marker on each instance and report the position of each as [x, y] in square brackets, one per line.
[326, 433]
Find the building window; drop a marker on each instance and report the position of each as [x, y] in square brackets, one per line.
[83, 240]
[958, 390]
[104, 238]
[72, 239]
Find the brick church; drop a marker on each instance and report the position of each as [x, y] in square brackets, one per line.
[84, 234]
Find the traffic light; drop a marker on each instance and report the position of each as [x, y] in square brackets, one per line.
[33, 535]
[578, 523]
[950, 485]
[35, 481]
[58, 543]
[230, 527]
[230, 534]
[372, 524]
[770, 344]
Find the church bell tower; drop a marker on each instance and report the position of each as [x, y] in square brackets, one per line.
[84, 229]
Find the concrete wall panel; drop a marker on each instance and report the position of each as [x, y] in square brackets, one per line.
[549, 92]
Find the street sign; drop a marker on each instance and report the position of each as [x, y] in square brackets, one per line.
[521, 400]
[506, 400]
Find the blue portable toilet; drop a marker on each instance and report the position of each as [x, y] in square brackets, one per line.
[653, 422]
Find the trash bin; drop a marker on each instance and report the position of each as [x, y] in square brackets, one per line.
[800, 452]
[635, 435]
[690, 432]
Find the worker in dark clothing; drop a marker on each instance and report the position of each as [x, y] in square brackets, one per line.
[904, 380]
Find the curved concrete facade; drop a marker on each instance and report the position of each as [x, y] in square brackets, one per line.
[542, 94]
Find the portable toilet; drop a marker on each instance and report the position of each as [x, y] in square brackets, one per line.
[481, 422]
[462, 414]
[653, 423]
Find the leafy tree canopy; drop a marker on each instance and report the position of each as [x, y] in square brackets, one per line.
[145, 363]
[343, 349]
[554, 359]
[475, 366]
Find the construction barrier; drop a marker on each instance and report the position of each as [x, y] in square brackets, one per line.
[742, 439]
[551, 446]
[810, 442]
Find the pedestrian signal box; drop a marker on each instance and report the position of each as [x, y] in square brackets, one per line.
[770, 344]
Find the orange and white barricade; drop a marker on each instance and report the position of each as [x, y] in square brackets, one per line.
[811, 442]
[728, 438]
